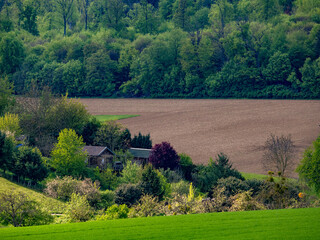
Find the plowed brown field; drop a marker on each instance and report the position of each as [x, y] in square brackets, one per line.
[203, 128]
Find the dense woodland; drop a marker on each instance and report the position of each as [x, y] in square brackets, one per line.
[162, 49]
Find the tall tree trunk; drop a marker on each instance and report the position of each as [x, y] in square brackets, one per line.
[64, 25]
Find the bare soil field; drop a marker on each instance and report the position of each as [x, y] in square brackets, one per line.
[204, 128]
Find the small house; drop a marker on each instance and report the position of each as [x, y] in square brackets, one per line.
[140, 155]
[99, 156]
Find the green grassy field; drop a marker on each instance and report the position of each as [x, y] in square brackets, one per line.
[51, 204]
[274, 224]
[104, 118]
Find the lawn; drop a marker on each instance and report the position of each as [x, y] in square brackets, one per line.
[51, 204]
[272, 224]
[103, 118]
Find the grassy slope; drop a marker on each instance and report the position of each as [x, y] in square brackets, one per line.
[103, 118]
[275, 224]
[51, 204]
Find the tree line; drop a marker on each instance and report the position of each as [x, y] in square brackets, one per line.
[163, 49]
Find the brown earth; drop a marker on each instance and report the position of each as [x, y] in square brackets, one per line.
[204, 128]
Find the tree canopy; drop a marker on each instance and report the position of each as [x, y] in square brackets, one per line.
[166, 48]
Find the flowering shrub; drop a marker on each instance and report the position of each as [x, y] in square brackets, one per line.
[148, 206]
[63, 188]
[244, 202]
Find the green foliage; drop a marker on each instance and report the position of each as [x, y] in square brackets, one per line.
[6, 152]
[114, 212]
[28, 17]
[154, 183]
[107, 177]
[206, 177]
[186, 166]
[107, 199]
[67, 113]
[89, 130]
[17, 209]
[6, 97]
[63, 188]
[166, 48]
[309, 168]
[68, 157]
[128, 194]
[112, 135]
[232, 185]
[148, 206]
[9, 123]
[28, 163]
[131, 173]
[12, 53]
[171, 176]
[78, 209]
[141, 141]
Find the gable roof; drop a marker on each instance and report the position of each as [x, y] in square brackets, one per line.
[97, 151]
[140, 152]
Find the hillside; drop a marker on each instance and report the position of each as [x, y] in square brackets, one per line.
[163, 48]
[51, 204]
[275, 224]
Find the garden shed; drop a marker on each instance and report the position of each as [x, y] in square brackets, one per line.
[140, 155]
[99, 156]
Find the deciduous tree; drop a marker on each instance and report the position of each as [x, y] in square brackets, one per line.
[18, 209]
[309, 168]
[68, 157]
[278, 154]
[164, 156]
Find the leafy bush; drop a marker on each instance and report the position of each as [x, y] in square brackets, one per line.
[309, 168]
[128, 194]
[148, 206]
[78, 209]
[164, 156]
[232, 185]
[114, 212]
[180, 188]
[107, 199]
[186, 166]
[17, 209]
[6, 152]
[255, 185]
[63, 188]
[154, 183]
[131, 173]
[244, 202]
[275, 194]
[172, 176]
[206, 177]
[28, 163]
[9, 123]
[107, 178]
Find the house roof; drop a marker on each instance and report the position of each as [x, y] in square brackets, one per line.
[96, 151]
[140, 152]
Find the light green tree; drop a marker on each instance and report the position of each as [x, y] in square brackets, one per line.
[9, 123]
[68, 157]
[309, 168]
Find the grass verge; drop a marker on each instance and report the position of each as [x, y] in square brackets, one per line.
[103, 118]
[272, 224]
